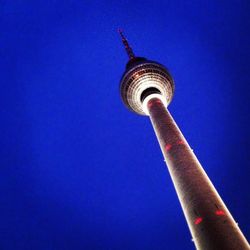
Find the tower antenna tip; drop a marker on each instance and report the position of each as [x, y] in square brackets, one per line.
[119, 30]
[128, 49]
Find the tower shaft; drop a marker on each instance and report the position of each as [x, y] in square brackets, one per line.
[211, 225]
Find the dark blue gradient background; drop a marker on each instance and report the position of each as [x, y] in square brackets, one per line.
[78, 170]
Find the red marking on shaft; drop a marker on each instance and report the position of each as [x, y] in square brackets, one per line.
[180, 142]
[219, 212]
[198, 220]
[168, 147]
[150, 104]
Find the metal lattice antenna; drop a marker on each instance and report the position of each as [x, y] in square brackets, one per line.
[128, 49]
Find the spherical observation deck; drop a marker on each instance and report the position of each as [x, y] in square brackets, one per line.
[143, 78]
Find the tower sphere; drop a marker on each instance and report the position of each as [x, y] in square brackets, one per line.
[143, 78]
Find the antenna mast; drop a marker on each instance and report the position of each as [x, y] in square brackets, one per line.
[128, 49]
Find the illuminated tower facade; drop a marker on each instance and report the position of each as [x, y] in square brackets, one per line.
[147, 88]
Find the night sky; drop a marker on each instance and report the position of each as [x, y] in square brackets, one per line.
[80, 171]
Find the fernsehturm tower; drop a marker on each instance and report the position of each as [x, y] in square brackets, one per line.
[147, 89]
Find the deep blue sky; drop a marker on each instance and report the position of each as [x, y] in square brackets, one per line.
[78, 170]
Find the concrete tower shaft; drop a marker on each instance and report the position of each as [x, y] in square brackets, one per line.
[211, 225]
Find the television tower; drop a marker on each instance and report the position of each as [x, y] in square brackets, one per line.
[147, 88]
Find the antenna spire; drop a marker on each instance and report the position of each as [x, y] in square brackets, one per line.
[128, 49]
